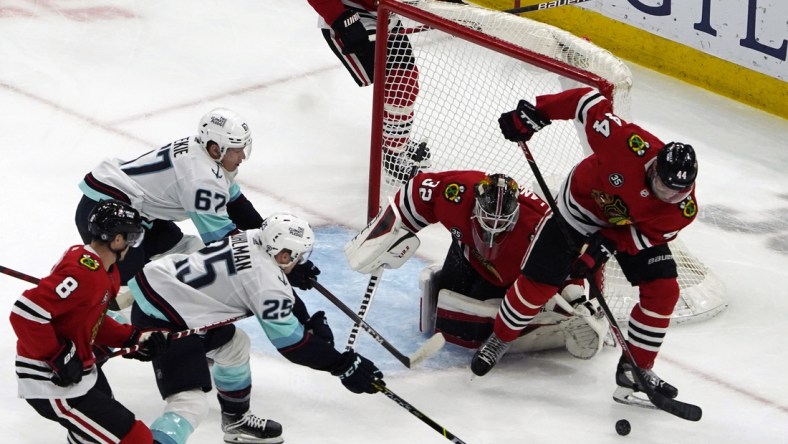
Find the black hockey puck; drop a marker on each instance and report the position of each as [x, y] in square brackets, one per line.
[622, 427]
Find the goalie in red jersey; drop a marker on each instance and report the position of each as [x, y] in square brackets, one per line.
[632, 196]
[349, 28]
[491, 222]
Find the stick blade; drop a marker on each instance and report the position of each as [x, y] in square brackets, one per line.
[690, 412]
[429, 348]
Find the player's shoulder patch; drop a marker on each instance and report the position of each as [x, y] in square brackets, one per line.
[453, 192]
[89, 262]
[638, 146]
[689, 208]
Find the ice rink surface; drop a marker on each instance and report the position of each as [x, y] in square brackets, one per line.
[84, 80]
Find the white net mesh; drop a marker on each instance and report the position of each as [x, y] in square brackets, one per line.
[473, 64]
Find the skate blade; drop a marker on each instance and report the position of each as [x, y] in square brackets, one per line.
[627, 396]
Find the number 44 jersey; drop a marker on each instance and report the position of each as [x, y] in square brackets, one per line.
[228, 278]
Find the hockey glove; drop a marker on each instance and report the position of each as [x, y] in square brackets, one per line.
[318, 326]
[357, 373]
[302, 275]
[66, 365]
[351, 33]
[519, 125]
[152, 343]
[599, 250]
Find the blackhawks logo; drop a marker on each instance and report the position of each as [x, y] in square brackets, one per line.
[90, 263]
[453, 192]
[614, 209]
[638, 145]
[689, 208]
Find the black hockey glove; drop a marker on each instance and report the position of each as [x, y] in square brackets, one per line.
[318, 326]
[351, 33]
[302, 275]
[519, 125]
[66, 365]
[357, 373]
[599, 250]
[152, 343]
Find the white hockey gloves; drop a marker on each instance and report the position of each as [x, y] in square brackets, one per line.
[384, 242]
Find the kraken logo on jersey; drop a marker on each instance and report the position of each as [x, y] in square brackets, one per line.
[638, 145]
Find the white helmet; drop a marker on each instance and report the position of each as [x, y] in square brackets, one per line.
[284, 231]
[227, 129]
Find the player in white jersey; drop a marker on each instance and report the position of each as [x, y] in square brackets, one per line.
[241, 274]
[190, 178]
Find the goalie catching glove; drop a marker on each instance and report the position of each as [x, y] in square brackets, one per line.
[519, 125]
[384, 242]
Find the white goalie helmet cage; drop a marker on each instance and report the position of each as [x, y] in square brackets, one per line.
[283, 231]
[227, 129]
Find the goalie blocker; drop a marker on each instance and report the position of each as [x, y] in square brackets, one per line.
[568, 320]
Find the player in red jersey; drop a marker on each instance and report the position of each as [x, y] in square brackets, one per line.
[349, 28]
[491, 222]
[632, 195]
[58, 323]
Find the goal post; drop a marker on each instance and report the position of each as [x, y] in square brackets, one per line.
[454, 68]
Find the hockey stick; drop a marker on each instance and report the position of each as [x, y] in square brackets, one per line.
[178, 335]
[543, 5]
[683, 410]
[415, 412]
[19, 275]
[430, 347]
[372, 288]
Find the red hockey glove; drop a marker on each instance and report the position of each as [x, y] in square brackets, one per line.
[351, 33]
[66, 365]
[152, 343]
[357, 373]
[599, 250]
[519, 125]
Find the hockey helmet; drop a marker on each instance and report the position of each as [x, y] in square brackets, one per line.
[672, 175]
[112, 217]
[284, 231]
[227, 129]
[496, 207]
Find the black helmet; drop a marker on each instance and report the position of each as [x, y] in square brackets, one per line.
[112, 217]
[677, 166]
[496, 202]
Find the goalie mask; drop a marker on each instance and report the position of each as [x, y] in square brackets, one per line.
[287, 232]
[671, 176]
[227, 129]
[495, 211]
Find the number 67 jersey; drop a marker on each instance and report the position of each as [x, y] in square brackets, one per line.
[228, 278]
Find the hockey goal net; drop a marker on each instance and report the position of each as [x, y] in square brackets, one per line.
[472, 64]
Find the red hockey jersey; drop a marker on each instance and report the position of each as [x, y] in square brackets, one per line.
[71, 303]
[447, 198]
[608, 190]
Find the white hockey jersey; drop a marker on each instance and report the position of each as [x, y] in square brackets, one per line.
[176, 182]
[226, 279]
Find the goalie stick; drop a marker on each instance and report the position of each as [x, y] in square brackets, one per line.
[415, 412]
[429, 348]
[372, 288]
[683, 410]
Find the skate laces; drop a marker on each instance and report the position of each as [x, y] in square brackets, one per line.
[493, 349]
[248, 419]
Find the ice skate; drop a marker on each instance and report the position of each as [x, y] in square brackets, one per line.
[488, 355]
[628, 387]
[402, 166]
[248, 428]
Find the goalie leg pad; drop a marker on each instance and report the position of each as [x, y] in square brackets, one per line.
[465, 321]
[384, 242]
[428, 284]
